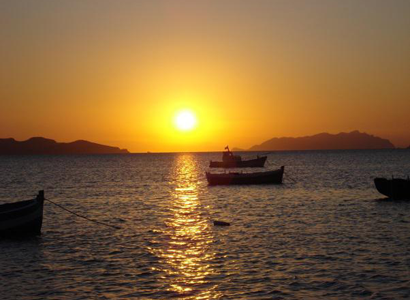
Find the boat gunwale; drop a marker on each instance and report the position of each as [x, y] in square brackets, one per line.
[19, 205]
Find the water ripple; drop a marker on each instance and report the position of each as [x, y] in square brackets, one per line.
[329, 235]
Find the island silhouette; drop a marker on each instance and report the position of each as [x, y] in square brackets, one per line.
[321, 141]
[40, 145]
[326, 141]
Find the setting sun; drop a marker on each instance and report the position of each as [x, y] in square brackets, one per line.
[185, 120]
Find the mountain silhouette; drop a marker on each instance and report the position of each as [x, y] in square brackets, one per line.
[40, 145]
[326, 141]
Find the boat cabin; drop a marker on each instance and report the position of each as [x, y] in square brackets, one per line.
[228, 156]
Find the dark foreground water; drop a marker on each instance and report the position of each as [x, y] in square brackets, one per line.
[324, 234]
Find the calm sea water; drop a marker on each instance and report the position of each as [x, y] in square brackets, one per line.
[324, 234]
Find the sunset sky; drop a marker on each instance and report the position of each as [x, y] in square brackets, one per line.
[118, 72]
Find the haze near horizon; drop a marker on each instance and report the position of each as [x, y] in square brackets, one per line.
[238, 72]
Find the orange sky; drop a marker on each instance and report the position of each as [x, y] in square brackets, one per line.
[116, 72]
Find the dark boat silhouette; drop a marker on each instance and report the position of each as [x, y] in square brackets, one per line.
[268, 177]
[396, 188]
[229, 160]
[23, 218]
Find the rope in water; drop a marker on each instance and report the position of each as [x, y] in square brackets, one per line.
[80, 216]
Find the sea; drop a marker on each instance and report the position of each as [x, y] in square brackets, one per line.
[325, 233]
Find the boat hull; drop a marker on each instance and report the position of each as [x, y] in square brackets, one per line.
[22, 218]
[398, 189]
[270, 177]
[252, 163]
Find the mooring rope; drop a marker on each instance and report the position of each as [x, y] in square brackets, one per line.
[80, 216]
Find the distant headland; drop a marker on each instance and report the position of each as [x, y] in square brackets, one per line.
[40, 145]
[326, 141]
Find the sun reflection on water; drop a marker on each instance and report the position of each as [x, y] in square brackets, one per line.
[185, 247]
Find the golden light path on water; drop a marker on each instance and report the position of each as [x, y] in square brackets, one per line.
[186, 252]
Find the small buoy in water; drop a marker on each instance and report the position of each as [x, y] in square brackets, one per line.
[221, 223]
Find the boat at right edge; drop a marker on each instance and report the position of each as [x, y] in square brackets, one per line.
[396, 188]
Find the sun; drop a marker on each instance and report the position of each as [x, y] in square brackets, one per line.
[185, 120]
